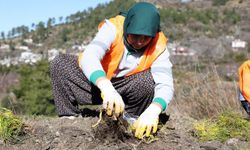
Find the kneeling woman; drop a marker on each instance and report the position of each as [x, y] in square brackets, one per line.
[125, 67]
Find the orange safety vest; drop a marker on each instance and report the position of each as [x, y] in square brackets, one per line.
[244, 80]
[113, 57]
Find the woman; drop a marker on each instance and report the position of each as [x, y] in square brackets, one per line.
[244, 85]
[125, 67]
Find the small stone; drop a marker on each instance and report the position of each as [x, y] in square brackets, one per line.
[37, 141]
[89, 139]
[57, 133]
[211, 145]
[1, 142]
[232, 142]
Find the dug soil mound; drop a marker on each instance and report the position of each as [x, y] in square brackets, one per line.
[79, 134]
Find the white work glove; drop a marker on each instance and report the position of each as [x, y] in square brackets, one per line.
[112, 100]
[148, 121]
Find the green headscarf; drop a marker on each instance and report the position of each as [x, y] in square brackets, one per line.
[142, 19]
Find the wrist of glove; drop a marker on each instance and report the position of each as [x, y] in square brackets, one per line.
[112, 100]
[147, 123]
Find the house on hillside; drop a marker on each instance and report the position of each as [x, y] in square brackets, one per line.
[184, 51]
[28, 41]
[5, 62]
[4, 46]
[78, 48]
[26, 48]
[29, 57]
[238, 44]
[39, 45]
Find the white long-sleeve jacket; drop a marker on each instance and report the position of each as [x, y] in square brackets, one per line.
[161, 69]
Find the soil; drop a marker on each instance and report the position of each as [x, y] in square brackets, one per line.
[53, 133]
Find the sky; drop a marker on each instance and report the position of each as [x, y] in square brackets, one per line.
[14, 13]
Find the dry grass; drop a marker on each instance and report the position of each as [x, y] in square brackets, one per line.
[203, 94]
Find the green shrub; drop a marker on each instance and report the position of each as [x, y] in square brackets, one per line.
[219, 2]
[171, 16]
[241, 57]
[225, 126]
[231, 16]
[4, 69]
[34, 92]
[246, 148]
[248, 49]
[182, 16]
[10, 125]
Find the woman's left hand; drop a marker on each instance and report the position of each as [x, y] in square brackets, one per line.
[147, 123]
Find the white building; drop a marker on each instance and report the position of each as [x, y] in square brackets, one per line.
[28, 41]
[5, 46]
[6, 61]
[184, 51]
[26, 48]
[79, 47]
[176, 49]
[29, 57]
[238, 44]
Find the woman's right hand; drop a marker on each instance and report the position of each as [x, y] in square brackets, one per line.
[112, 100]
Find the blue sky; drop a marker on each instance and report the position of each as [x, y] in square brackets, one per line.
[15, 13]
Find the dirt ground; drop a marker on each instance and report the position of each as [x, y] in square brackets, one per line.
[53, 133]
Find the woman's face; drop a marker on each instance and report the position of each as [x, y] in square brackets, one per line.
[138, 41]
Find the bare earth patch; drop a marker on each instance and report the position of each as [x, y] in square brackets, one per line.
[78, 134]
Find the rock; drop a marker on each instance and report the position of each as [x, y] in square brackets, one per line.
[211, 145]
[1, 142]
[232, 142]
[57, 133]
[89, 139]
